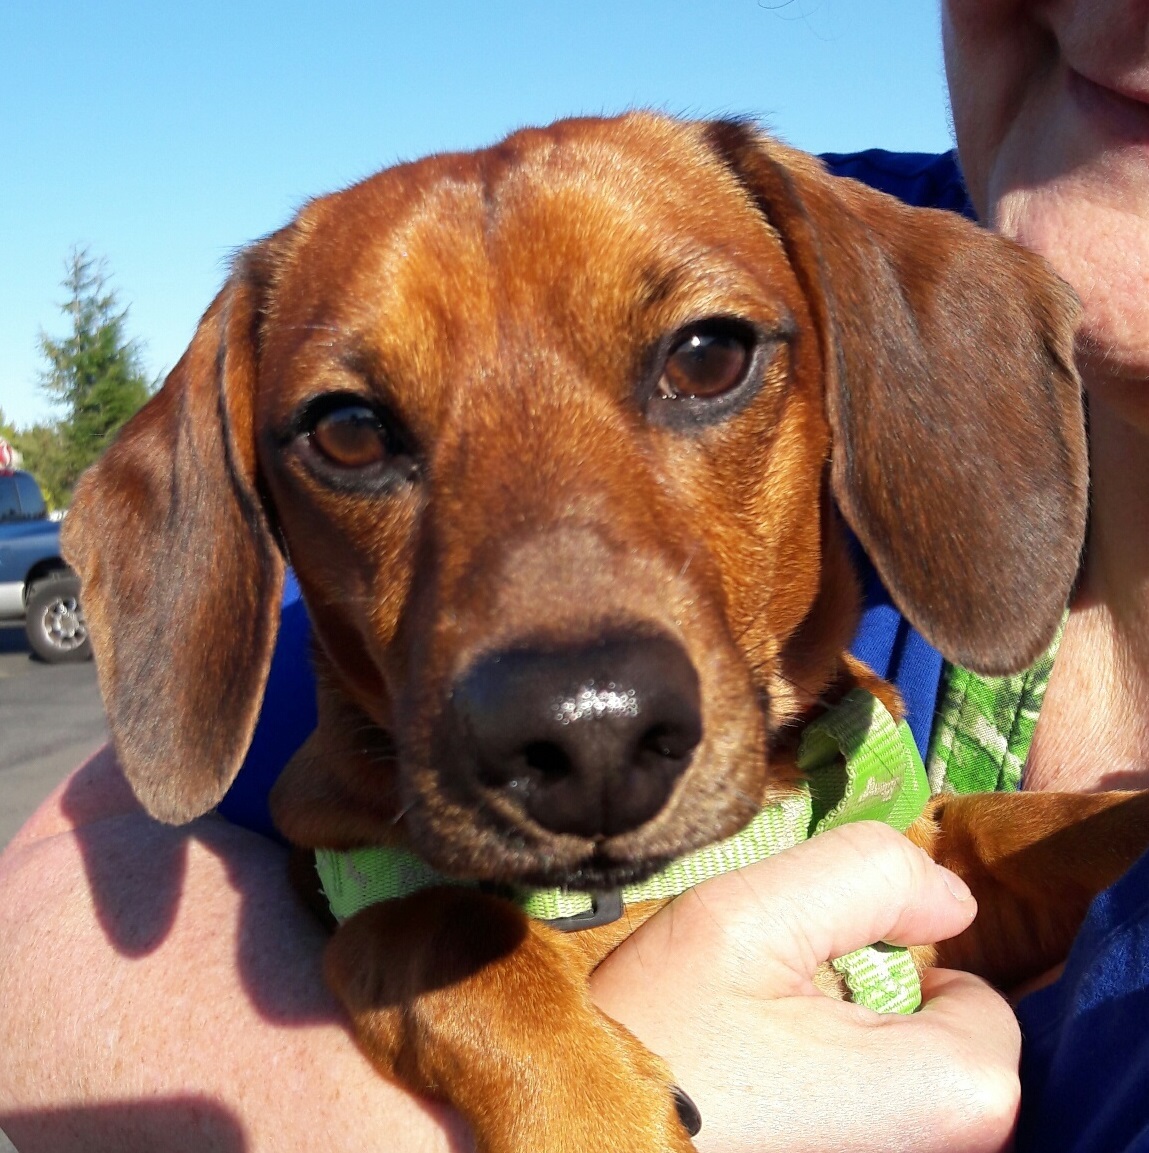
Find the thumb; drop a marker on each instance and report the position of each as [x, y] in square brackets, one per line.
[835, 893]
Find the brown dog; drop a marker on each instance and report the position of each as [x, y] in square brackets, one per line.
[589, 407]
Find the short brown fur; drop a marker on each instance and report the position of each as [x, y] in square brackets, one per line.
[507, 309]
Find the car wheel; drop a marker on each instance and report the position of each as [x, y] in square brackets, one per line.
[55, 621]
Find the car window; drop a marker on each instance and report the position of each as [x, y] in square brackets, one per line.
[31, 500]
[9, 505]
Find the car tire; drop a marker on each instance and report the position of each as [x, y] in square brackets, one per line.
[57, 631]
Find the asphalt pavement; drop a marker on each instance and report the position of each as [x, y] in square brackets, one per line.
[51, 719]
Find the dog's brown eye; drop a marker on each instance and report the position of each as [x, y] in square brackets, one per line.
[351, 437]
[705, 362]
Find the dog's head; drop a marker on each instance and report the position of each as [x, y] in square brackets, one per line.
[554, 436]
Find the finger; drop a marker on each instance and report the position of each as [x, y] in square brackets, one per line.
[971, 1033]
[960, 1054]
[966, 1007]
[835, 893]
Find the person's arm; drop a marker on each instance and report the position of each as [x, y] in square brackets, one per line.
[161, 990]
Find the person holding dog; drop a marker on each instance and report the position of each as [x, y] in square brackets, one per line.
[1051, 111]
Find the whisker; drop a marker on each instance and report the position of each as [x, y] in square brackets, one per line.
[310, 328]
[402, 812]
[686, 563]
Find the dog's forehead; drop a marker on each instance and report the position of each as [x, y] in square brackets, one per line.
[570, 182]
[555, 233]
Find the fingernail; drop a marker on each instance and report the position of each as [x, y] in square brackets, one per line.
[955, 884]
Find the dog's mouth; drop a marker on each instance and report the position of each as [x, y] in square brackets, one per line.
[494, 844]
[495, 848]
[597, 875]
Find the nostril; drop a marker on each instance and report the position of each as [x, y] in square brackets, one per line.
[537, 762]
[548, 760]
[668, 742]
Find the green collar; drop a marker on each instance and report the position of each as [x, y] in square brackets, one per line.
[860, 766]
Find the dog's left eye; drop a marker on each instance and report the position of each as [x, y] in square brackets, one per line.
[351, 436]
[706, 360]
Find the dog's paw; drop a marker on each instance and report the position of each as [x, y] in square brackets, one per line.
[687, 1112]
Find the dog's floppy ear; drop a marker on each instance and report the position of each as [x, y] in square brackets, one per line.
[181, 576]
[959, 455]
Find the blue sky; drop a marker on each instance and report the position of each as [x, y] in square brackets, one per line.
[164, 136]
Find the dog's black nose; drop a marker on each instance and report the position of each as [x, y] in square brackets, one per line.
[588, 740]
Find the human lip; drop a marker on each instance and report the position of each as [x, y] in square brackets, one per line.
[1118, 112]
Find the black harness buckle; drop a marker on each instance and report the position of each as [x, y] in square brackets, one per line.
[605, 908]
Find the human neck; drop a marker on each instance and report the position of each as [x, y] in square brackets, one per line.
[1116, 571]
[1094, 728]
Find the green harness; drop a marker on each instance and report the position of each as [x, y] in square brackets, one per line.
[858, 765]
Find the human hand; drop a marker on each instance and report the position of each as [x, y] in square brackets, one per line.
[721, 984]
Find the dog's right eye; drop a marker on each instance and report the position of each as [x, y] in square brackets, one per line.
[351, 436]
[351, 443]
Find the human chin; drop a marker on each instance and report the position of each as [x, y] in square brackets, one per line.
[1102, 250]
[1070, 179]
[1119, 118]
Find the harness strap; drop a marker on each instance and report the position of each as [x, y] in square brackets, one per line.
[863, 767]
[357, 878]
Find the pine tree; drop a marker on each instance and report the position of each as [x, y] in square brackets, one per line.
[95, 373]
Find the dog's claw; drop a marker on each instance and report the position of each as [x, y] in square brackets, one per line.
[687, 1112]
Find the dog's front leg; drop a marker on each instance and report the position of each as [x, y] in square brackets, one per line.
[461, 997]
[1034, 862]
